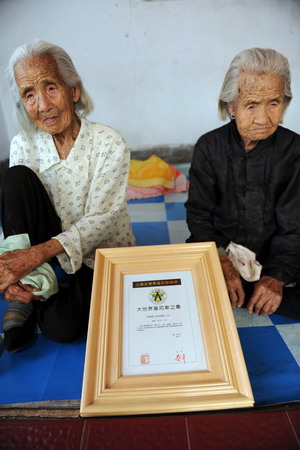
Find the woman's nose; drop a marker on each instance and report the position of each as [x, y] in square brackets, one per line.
[261, 116]
[44, 102]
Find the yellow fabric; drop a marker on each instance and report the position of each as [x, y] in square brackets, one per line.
[151, 172]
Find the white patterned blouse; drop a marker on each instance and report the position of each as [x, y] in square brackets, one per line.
[87, 189]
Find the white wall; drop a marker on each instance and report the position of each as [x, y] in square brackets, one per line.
[153, 67]
[4, 140]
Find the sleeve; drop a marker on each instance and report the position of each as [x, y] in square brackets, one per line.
[283, 257]
[202, 198]
[105, 217]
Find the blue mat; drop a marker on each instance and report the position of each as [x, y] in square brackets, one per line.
[51, 371]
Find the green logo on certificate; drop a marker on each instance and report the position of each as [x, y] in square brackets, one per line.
[157, 296]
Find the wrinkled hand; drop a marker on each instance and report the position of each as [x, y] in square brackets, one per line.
[14, 265]
[21, 292]
[267, 296]
[233, 282]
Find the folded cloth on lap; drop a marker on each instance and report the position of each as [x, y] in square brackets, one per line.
[43, 277]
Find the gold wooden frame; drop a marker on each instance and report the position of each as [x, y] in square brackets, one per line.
[224, 385]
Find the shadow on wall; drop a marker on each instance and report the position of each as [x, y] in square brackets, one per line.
[172, 155]
[175, 155]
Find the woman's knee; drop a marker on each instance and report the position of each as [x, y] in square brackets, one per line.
[16, 177]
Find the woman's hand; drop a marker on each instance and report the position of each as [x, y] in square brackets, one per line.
[15, 264]
[21, 292]
[267, 296]
[233, 282]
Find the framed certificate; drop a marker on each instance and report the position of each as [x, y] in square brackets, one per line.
[161, 329]
[162, 337]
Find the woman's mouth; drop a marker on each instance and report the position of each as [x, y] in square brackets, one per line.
[50, 120]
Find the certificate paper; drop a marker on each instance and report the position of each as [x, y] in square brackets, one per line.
[161, 327]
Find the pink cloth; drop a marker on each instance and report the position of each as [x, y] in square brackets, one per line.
[181, 184]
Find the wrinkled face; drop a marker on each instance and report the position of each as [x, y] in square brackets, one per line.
[258, 106]
[45, 96]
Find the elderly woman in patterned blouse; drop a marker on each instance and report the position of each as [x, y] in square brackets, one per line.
[65, 189]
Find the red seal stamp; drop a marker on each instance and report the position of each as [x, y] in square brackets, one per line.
[145, 359]
[180, 357]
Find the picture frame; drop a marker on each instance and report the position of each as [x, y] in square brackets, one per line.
[222, 384]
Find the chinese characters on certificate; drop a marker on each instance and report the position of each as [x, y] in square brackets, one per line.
[161, 326]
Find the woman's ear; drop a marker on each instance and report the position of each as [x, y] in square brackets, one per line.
[231, 109]
[76, 93]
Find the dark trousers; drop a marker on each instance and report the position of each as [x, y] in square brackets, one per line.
[27, 208]
[290, 304]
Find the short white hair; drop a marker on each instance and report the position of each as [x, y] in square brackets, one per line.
[70, 76]
[259, 60]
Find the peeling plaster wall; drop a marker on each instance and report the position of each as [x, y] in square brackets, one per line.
[153, 67]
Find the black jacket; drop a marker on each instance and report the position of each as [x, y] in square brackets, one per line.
[251, 198]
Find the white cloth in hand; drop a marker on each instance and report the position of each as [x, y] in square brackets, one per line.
[244, 260]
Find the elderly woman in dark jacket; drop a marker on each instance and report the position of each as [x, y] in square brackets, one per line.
[245, 184]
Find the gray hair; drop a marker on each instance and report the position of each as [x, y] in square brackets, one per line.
[42, 49]
[260, 60]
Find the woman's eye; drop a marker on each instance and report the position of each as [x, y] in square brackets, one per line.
[29, 97]
[52, 89]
